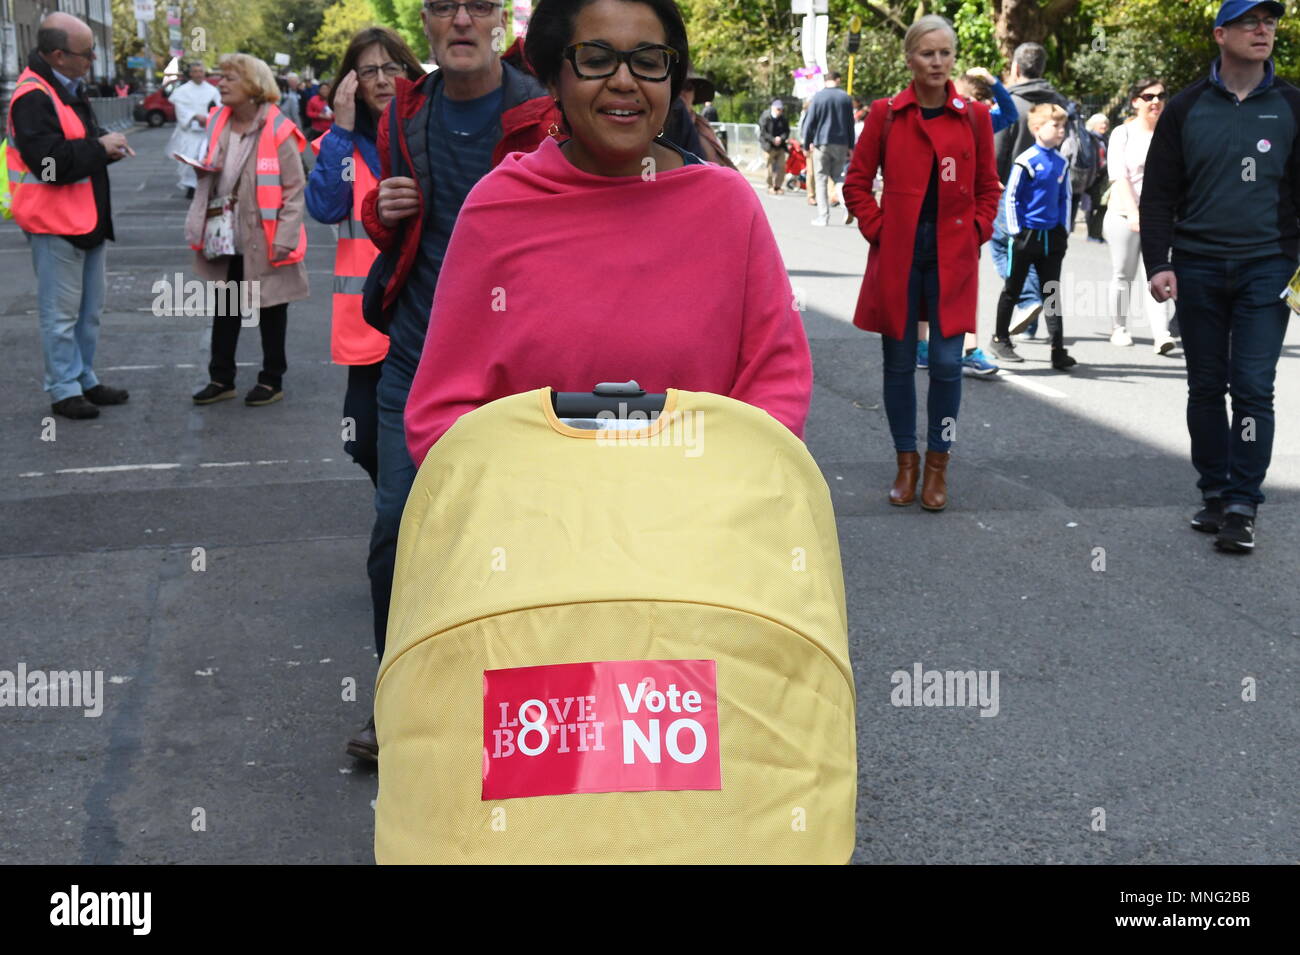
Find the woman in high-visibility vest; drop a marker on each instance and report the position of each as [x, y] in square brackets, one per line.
[254, 164]
[347, 167]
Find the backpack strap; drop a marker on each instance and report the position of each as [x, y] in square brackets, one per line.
[884, 132]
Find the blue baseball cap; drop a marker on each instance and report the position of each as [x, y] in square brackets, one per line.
[1236, 9]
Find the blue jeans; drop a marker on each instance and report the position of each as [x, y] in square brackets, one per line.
[70, 287]
[945, 357]
[394, 480]
[1233, 324]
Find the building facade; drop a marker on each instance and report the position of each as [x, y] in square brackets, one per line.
[19, 20]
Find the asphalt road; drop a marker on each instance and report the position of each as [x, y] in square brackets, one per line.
[1119, 689]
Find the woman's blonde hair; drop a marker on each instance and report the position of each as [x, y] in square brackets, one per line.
[259, 81]
[927, 24]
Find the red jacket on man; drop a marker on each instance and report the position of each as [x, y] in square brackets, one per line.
[968, 202]
[525, 121]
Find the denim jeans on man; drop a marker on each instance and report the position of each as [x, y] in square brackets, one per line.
[70, 287]
[396, 469]
[1233, 324]
[945, 357]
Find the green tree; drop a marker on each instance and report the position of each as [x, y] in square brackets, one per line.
[342, 20]
[208, 29]
[404, 17]
[1174, 42]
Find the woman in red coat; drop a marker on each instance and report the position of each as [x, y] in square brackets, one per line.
[938, 204]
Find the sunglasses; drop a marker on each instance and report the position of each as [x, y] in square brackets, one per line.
[1152, 97]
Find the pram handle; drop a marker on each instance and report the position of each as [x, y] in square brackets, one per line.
[611, 397]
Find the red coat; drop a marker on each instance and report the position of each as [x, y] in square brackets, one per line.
[968, 202]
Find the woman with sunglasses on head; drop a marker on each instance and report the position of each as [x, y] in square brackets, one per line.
[347, 167]
[1126, 156]
[566, 267]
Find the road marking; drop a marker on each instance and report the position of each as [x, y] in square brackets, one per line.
[172, 465]
[107, 468]
[191, 365]
[1031, 385]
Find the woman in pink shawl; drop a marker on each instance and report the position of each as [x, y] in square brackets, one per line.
[613, 254]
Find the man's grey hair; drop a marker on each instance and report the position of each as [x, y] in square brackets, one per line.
[1030, 60]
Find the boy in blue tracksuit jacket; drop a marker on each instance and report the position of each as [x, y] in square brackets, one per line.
[1038, 211]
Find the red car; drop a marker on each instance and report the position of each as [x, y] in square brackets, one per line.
[155, 109]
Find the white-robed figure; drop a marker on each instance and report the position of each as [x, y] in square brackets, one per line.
[192, 101]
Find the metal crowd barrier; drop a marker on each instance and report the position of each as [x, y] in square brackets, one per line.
[741, 141]
[113, 113]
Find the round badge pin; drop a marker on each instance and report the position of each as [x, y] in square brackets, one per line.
[1263, 145]
[958, 102]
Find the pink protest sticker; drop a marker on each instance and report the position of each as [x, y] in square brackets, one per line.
[609, 726]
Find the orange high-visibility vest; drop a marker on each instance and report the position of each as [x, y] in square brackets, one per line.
[270, 195]
[352, 341]
[44, 207]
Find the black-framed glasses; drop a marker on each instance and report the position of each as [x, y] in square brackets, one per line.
[390, 69]
[89, 55]
[446, 9]
[1253, 23]
[1152, 97]
[595, 61]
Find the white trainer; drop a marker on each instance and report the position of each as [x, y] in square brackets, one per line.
[1121, 337]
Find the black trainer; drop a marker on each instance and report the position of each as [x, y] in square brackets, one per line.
[104, 395]
[1210, 517]
[75, 407]
[1237, 535]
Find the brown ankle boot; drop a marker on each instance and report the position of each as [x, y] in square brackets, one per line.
[903, 492]
[934, 488]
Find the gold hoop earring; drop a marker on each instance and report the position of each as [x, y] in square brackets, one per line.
[553, 131]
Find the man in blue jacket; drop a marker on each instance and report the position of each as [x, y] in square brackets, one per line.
[1220, 190]
[828, 128]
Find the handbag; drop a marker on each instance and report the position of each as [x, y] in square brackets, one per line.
[219, 223]
[219, 228]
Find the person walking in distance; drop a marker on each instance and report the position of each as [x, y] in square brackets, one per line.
[774, 137]
[193, 101]
[924, 235]
[1126, 162]
[829, 128]
[1028, 88]
[1221, 236]
[1038, 216]
[58, 162]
